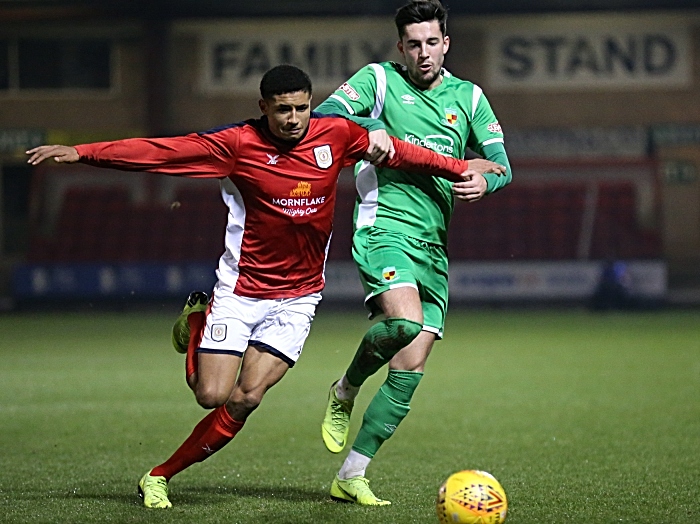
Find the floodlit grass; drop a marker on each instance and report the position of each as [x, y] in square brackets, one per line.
[582, 417]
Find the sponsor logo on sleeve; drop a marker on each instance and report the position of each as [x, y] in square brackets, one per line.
[348, 90]
[324, 156]
[494, 127]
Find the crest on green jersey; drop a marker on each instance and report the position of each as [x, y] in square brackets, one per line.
[450, 116]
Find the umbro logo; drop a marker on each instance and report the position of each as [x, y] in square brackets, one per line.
[272, 159]
[408, 99]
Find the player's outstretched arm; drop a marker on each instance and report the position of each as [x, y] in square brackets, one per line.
[60, 154]
[409, 157]
[192, 155]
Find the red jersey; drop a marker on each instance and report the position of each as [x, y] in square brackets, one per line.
[280, 195]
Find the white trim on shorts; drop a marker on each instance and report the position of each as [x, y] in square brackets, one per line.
[391, 286]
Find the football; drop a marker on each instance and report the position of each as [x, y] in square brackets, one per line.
[471, 497]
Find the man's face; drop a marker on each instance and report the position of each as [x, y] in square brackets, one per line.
[423, 48]
[288, 114]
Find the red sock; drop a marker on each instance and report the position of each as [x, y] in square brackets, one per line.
[211, 434]
[196, 322]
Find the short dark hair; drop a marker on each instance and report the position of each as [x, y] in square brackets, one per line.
[417, 11]
[283, 79]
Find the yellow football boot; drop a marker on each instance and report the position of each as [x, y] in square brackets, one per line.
[355, 489]
[154, 491]
[198, 301]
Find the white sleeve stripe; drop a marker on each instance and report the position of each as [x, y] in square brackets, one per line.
[344, 102]
[492, 141]
[476, 95]
[380, 76]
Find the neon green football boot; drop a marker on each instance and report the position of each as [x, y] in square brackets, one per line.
[197, 302]
[154, 491]
[336, 423]
[355, 489]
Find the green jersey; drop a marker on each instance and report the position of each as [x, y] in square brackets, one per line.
[448, 119]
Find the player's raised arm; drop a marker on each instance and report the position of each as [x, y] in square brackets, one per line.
[193, 155]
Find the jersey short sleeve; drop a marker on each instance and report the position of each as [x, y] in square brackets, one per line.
[358, 94]
[485, 128]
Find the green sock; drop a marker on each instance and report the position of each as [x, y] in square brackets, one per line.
[386, 411]
[381, 342]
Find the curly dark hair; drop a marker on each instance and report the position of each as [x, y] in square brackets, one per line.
[283, 79]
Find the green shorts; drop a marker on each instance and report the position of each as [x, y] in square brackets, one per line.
[387, 260]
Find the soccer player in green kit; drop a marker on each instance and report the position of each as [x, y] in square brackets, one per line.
[401, 224]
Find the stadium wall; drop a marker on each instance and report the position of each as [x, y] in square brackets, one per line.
[617, 86]
[566, 70]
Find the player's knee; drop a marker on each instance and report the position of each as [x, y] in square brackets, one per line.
[210, 397]
[245, 401]
[403, 330]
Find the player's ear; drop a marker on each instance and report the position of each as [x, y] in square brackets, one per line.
[445, 44]
[399, 46]
[262, 104]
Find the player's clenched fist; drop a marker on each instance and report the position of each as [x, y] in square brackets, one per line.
[60, 154]
[472, 188]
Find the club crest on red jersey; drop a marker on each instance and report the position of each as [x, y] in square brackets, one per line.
[324, 156]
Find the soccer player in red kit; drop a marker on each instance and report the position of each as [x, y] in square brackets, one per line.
[278, 177]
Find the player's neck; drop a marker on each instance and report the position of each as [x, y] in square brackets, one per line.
[435, 83]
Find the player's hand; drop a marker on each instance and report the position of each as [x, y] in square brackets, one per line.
[60, 154]
[472, 188]
[380, 147]
[486, 166]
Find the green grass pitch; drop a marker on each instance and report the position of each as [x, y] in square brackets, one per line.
[590, 418]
